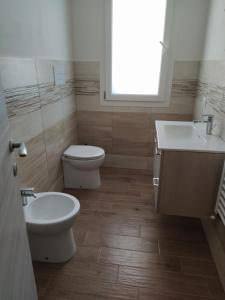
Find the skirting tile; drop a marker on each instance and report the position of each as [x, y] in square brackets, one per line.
[129, 162]
[58, 185]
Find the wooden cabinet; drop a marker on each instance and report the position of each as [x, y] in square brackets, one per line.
[186, 183]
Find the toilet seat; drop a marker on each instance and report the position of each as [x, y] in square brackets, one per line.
[83, 152]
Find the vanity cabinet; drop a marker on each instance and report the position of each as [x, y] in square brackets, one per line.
[186, 182]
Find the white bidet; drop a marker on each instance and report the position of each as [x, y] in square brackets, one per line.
[49, 219]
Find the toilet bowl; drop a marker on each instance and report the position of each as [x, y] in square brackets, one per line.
[81, 165]
[49, 220]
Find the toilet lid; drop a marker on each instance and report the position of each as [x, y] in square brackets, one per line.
[84, 152]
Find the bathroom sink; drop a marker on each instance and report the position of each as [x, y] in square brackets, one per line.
[190, 136]
[180, 131]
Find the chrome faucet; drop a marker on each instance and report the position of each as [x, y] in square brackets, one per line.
[209, 123]
[27, 192]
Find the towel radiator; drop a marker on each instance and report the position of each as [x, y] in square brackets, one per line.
[220, 203]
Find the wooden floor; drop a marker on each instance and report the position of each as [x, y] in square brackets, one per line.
[127, 251]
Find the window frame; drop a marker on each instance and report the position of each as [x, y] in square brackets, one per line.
[166, 65]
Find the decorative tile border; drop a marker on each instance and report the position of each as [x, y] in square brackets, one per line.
[184, 87]
[22, 100]
[180, 88]
[87, 87]
[68, 88]
[30, 97]
[49, 93]
[27, 99]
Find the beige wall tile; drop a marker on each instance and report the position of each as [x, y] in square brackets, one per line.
[26, 127]
[131, 120]
[95, 135]
[133, 148]
[129, 135]
[55, 146]
[70, 124]
[52, 114]
[68, 106]
[97, 132]
[95, 118]
[33, 170]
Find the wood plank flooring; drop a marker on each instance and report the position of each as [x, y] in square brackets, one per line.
[127, 251]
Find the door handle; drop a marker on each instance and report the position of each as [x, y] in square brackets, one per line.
[22, 149]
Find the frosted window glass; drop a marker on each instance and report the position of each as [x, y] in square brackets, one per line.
[137, 29]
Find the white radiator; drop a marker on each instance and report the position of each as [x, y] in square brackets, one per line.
[220, 203]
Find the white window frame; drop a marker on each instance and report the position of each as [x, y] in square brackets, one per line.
[166, 73]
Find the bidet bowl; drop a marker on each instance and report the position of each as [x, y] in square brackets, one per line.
[50, 212]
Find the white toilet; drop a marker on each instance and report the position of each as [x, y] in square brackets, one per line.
[49, 220]
[81, 166]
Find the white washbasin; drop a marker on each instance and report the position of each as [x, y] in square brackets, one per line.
[175, 135]
[180, 131]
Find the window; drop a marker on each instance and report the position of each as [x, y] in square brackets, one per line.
[137, 50]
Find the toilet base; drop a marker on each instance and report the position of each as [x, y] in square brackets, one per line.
[80, 179]
[55, 248]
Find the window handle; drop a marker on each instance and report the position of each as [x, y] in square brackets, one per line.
[165, 47]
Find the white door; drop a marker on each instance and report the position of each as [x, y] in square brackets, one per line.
[16, 272]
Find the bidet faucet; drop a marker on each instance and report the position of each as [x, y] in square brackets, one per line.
[27, 192]
[209, 123]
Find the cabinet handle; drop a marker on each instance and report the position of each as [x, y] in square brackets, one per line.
[157, 151]
[156, 182]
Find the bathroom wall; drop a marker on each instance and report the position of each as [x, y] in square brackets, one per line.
[126, 129]
[211, 99]
[189, 22]
[39, 29]
[211, 94]
[35, 45]
[127, 133]
[41, 114]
